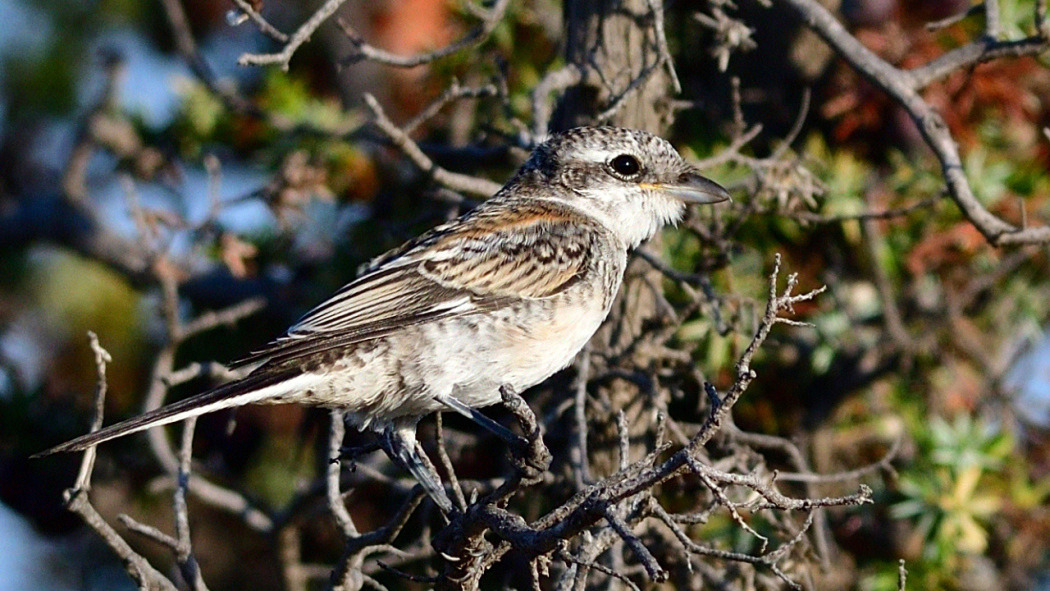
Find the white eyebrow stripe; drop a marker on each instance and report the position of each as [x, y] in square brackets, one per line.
[596, 154]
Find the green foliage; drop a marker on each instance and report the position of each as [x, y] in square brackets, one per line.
[520, 48]
[203, 121]
[963, 478]
[1017, 18]
[199, 118]
[292, 97]
[987, 177]
[968, 485]
[946, 493]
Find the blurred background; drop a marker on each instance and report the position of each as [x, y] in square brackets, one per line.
[930, 344]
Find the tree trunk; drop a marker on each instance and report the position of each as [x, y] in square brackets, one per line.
[616, 47]
[614, 44]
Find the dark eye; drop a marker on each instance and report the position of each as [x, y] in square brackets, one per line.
[625, 165]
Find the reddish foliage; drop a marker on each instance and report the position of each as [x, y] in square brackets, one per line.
[1015, 92]
[945, 249]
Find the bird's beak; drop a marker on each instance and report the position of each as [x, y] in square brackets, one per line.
[690, 187]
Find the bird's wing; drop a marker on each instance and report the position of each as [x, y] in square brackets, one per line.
[477, 263]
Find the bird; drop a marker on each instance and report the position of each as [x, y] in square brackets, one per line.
[500, 298]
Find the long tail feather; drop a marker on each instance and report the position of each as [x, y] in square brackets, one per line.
[253, 389]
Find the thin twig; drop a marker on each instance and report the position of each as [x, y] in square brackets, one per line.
[87, 463]
[333, 493]
[578, 456]
[184, 549]
[455, 181]
[656, 573]
[886, 214]
[542, 103]
[264, 25]
[475, 37]
[446, 462]
[656, 7]
[300, 36]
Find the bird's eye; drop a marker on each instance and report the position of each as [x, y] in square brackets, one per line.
[625, 165]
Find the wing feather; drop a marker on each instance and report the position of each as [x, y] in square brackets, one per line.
[499, 253]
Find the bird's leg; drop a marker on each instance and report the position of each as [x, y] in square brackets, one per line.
[510, 437]
[399, 442]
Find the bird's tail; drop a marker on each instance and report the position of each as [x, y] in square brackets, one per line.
[250, 390]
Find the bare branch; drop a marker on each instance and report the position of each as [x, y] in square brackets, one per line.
[77, 500]
[542, 102]
[579, 457]
[904, 85]
[87, 464]
[886, 214]
[657, 9]
[264, 25]
[336, 505]
[620, 100]
[446, 463]
[300, 36]
[453, 93]
[955, 18]
[479, 34]
[163, 367]
[656, 572]
[976, 52]
[184, 549]
[226, 317]
[149, 532]
[452, 180]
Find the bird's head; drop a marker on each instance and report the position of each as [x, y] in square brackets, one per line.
[632, 181]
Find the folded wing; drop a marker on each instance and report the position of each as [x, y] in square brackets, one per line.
[475, 264]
